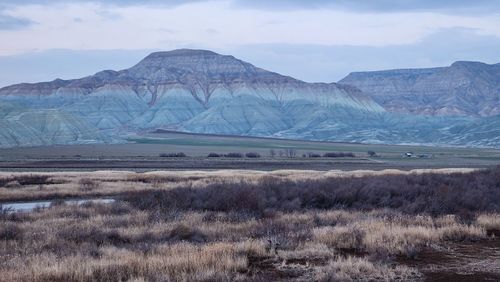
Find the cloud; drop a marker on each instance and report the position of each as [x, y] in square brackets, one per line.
[143, 27]
[313, 63]
[103, 2]
[323, 63]
[377, 5]
[353, 5]
[312, 40]
[13, 23]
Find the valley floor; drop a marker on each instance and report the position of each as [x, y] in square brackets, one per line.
[243, 225]
[144, 154]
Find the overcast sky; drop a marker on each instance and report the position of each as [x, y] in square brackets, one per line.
[312, 40]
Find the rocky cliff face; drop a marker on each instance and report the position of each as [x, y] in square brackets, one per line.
[464, 88]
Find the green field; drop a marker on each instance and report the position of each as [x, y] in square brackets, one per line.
[221, 143]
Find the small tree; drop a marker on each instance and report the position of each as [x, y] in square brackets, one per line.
[272, 153]
[252, 155]
[234, 155]
[371, 154]
[291, 153]
[313, 155]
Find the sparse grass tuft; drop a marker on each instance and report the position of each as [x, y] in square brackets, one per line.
[489, 221]
[360, 269]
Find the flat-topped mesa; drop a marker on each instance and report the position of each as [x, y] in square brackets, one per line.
[465, 88]
[200, 73]
[468, 63]
[205, 65]
[205, 74]
[177, 67]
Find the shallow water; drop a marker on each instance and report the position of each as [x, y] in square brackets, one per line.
[30, 206]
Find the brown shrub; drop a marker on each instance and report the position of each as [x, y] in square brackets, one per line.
[10, 231]
[88, 184]
[341, 237]
[183, 232]
[412, 194]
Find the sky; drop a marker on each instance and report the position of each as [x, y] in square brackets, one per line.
[312, 40]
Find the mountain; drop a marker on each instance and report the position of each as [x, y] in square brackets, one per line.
[464, 88]
[205, 92]
[188, 90]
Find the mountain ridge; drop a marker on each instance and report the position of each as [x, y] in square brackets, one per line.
[172, 68]
[466, 88]
[189, 90]
[201, 91]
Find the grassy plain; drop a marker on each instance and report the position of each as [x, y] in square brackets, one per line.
[142, 154]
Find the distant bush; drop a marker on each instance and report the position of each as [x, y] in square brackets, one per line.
[313, 155]
[430, 193]
[371, 154]
[173, 155]
[22, 180]
[234, 155]
[93, 235]
[183, 232]
[88, 184]
[13, 184]
[155, 179]
[252, 155]
[58, 202]
[10, 231]
[214, 155]
[4, 181]
[338, 155]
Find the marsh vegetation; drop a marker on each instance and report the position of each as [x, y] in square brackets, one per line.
[253, 226]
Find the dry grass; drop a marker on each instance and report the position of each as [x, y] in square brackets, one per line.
[176, 262]
[489, 221]
[18, 186]
[360, 269]
[222, 226]
[98, 242]
[382, 235]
